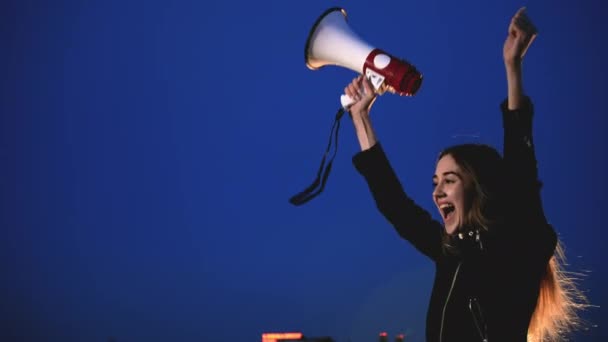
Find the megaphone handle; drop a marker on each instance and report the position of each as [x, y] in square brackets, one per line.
[346, 101]
[375, 78]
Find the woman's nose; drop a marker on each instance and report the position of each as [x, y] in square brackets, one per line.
[438, 192]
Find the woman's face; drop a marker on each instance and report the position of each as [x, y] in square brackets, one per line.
[449, 193]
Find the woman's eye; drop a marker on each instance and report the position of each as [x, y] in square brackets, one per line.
[449, 181]
[434, 185]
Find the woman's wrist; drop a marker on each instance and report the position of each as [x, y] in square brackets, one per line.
[364, 130]
[513, 62]
[359, 116]
[513, 66]
[514, 85]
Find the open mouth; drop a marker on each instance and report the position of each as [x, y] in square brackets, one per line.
[447, 211]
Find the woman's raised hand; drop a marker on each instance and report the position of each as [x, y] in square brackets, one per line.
[362, 92]
[520, 36]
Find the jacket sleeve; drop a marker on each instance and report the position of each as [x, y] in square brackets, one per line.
[521, 166]
[411, 221]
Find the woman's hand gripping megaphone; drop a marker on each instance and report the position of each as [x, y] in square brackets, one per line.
[376, 83]
[359, 96]
[361, 91]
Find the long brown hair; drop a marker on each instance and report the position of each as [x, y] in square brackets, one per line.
[558, 303]
[559, 299]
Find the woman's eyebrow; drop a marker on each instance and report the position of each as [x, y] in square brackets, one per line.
[449, 173]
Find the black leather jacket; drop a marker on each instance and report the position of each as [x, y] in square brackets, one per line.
[489, 289]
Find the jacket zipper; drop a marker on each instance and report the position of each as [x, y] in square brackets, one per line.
[445, 305]
[478, 319]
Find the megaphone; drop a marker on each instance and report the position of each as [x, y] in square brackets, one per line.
[332, 42]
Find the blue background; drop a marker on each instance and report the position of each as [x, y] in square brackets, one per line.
[148, 150]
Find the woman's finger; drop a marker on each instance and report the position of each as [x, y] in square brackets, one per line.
[365, 90]
[348, 91]
[521, 10]
[525, 25]
[353, 91]
[527, 44]
[522, 20]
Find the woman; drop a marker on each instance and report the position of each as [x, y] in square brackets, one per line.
[497, 277]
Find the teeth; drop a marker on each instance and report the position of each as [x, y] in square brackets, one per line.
[446, 205]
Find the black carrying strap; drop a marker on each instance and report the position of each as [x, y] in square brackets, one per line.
[314, 190]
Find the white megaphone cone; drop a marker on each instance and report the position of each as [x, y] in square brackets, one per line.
[332, 42]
